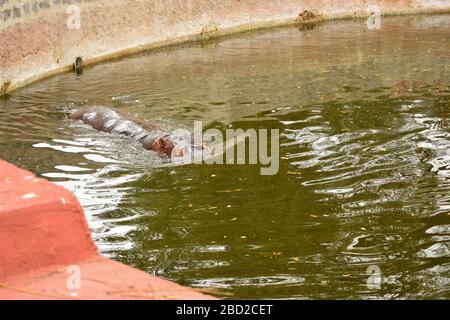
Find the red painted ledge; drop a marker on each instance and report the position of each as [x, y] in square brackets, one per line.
[44, 234]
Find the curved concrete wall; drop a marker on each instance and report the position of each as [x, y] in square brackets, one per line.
[41, 37]
[44, 235]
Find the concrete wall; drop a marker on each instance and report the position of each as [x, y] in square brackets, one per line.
[35, 40]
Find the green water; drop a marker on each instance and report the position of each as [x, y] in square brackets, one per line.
[364, 177]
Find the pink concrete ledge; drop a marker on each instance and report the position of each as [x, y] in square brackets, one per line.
[45, 244]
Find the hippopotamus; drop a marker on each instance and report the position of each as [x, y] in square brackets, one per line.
[151, 137]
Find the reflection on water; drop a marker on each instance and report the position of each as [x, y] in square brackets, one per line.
[364, 177]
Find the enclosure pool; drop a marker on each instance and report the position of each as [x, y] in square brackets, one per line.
[364, 178]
